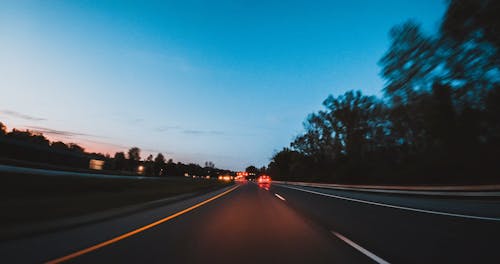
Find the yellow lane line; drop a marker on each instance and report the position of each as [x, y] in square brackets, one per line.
[136, 231]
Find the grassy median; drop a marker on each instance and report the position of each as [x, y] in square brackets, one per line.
[26, 199]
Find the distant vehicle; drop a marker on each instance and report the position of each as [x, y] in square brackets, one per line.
[264, 179]
[240, 179]
[225, 178]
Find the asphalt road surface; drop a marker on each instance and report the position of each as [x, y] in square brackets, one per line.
[248, 223]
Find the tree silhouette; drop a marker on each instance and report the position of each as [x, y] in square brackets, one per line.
[75, 148]
[59, 145]
[3, 129]
[149, 165]
[209, 164]
[120, 161]
[440, 115]
[159, 165]
[18, 145]
[472, 19]
[409, 63]
[134, 156]
[252, 169]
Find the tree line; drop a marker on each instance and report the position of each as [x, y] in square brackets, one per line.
[437, 122]
[31, 146]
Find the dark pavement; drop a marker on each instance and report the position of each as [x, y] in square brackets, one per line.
[249, 225]
[254, 225]
[406, 236]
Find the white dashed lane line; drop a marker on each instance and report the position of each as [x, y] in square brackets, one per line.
[280, 197]
[360, 248]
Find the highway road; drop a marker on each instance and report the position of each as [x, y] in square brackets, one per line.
[247, 223]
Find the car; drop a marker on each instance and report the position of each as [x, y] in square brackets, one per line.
[264, 179]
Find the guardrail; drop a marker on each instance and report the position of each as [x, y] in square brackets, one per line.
[463, 190]
[47, 172]
[25, 170]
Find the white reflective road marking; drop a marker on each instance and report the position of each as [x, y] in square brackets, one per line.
[360, 248]
[397, 206]
[280, 197]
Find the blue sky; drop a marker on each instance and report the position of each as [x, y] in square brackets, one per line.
[226, 81]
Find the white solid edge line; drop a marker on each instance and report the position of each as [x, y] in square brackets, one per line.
[397, 206]
[430, 193]
[381, 189]
[360, 248]
[279, 196]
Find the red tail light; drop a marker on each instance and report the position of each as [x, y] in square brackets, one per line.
[264, 179]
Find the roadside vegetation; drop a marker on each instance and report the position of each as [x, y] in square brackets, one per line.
[30, 148]
[438, 121]
[32, 200]
[27, 199]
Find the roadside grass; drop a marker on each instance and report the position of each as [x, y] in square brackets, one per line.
[27, 199]
[58, 167]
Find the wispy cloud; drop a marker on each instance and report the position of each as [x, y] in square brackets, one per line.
[119, 146]
[64, 133]
[137, 120]
[189, 130]
[157, 151]
[167, 128]
[202, 132]
[21, 116]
